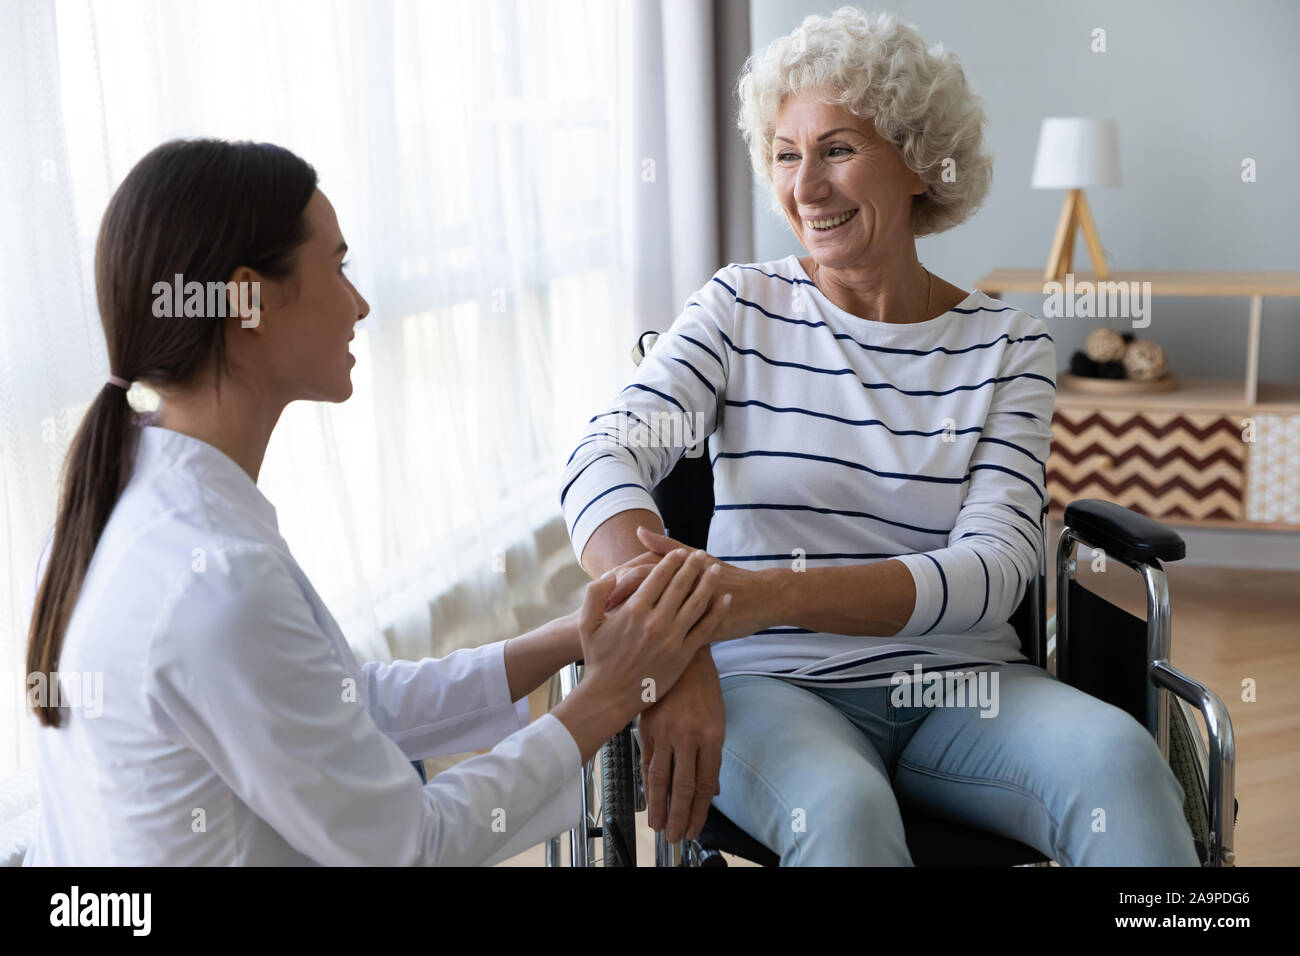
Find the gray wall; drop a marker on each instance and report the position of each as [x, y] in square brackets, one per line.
[1194, 86]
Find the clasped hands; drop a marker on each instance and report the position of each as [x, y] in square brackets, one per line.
[742, 618]
[682, 735]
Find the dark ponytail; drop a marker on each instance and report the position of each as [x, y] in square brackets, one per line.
[201, 209]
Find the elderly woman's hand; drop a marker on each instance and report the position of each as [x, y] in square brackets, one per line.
[747, 611]
[682, 735]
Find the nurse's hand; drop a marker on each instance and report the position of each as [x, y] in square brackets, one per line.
[750, 592]
[638, 650]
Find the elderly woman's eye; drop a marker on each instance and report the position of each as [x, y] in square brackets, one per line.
[847, 149]
[784, 156]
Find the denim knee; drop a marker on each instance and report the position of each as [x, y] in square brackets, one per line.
[854, 820]
[1132, 801]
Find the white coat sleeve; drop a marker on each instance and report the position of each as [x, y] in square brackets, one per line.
[240, 670]
[445, 705]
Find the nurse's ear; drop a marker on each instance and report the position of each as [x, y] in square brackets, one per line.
[247, 298]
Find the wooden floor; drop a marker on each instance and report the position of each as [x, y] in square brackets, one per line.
[1228, 626]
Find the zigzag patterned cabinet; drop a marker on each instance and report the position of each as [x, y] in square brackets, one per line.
[1198, 455]
[1214, 452]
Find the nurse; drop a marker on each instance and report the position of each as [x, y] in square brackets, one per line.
[232, 723]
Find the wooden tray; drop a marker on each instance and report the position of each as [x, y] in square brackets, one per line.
[1115, 386]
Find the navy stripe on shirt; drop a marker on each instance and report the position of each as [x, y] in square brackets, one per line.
[943, 578]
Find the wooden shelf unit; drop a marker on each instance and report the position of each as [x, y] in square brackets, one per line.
[1171, 455]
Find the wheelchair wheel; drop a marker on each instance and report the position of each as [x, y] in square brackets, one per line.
[1191, 773]
[618, 800]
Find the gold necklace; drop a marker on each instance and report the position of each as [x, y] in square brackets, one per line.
[929, 286]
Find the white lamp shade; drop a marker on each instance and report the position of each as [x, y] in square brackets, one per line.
[1075, 152]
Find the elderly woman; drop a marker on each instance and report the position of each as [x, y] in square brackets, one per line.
[878, 438]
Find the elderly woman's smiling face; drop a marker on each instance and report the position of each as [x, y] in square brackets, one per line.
[828, 164]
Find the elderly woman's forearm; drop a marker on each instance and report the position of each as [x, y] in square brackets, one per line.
[872, 600]
[615, 541]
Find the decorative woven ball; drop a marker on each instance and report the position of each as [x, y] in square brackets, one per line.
[1104, 345]
[1144, 361]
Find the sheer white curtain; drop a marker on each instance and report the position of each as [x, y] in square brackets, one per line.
[487, 161]
[674, 207]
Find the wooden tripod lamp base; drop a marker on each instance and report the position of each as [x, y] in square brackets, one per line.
[1074, 215]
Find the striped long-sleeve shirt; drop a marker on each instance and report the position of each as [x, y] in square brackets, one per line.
[837, 440]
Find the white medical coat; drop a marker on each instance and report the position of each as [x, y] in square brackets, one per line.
[237, 725]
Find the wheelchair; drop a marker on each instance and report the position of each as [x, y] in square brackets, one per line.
[1089, 643]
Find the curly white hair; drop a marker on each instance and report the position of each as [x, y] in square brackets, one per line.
[877, 68]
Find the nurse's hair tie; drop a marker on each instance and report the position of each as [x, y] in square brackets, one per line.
[119, 382]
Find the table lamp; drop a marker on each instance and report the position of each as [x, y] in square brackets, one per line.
[1073, 153]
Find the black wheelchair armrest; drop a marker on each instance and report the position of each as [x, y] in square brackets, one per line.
[1122, 533]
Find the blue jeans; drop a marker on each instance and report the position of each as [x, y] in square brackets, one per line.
[818, 774]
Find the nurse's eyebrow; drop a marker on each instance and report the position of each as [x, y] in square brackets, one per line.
[839, 129]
